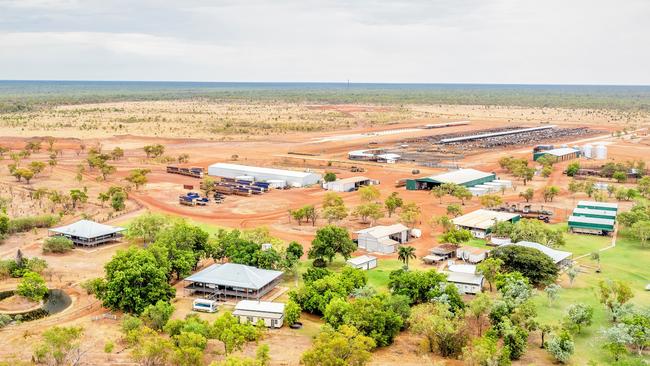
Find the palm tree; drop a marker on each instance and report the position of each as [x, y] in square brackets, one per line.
[405, 253]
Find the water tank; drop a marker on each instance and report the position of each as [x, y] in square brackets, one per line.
[586, 151]
[601, 152]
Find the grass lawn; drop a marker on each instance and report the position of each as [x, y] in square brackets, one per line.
[627, 262]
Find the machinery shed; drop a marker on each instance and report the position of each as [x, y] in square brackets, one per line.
[348, 184]
[464, 177]
[560, 154]
[292, 177]
[480, 222]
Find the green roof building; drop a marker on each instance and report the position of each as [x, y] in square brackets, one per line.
[464, 177]
[591, 225]
[597, 214]
[598, 205]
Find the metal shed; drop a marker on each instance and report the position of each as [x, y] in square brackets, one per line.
[464, 177]
[364, 262]
[480, 222]
[347, 184]
[292, 177]
[249, 311]
[383, 239]
[598, 214]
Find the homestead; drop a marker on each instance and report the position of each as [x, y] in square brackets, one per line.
[251, 311]
[88, 233]
[561, 258]
[464, 177]
[480, 222]
[220, 281]
[559, 154]
[363, 262]
[383, 239]
[291, 177]
[348, 184]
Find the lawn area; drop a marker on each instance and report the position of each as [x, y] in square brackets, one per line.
[627, 262]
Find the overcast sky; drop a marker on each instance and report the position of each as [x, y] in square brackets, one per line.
[421, 41]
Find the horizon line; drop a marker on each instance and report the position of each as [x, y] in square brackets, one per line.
[324, 82]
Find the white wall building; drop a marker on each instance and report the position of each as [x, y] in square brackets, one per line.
[480, 222]
[364, 262]
[249, 311]
[467, 283]
[383, 239]
[348, 184]
[292, 177]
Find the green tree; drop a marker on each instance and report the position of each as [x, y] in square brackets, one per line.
[641, 231]
[154, 151]
[573, 169]
[329, 241]
[151, 349]
[405, 253]
[410, 214]
[454, 210]
[32, 286]
[342, 346]
[552, 292]
[613, 294]
[369, 193]
[147, 227]
[550, 192]
[60, 346]
[292, 312]
[439, 192]
[491, 200]
[135, 278]
[619, 177]
[233, 334]
[368, 212]
[138, 177]
[490, 268]
[478, 307]
[579, 315]
[57, 244]
[329, 177]
[156, 316]
[528, 194]
[392, 203]
[78, 196]
[445, 332]
[415, 285]
[183, 245]
[462, 193]
[117, 153]
[561, 347]
[117, 201]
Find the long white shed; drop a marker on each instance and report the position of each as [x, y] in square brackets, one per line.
[292, 177]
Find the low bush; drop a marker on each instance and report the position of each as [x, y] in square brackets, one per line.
[57, 244]
[23, 224]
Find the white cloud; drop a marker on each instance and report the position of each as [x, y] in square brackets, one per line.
[503, 41]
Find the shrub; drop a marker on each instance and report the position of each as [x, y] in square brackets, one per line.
[57, 244]
[22, 224]
[32, 286]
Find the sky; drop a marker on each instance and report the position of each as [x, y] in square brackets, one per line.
[399, 41]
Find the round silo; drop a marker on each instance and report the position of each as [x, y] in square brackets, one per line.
[587, 151]
[601, 152]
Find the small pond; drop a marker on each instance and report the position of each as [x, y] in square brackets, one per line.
[55, 302]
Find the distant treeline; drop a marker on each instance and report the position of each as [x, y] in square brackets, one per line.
[17, 96]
